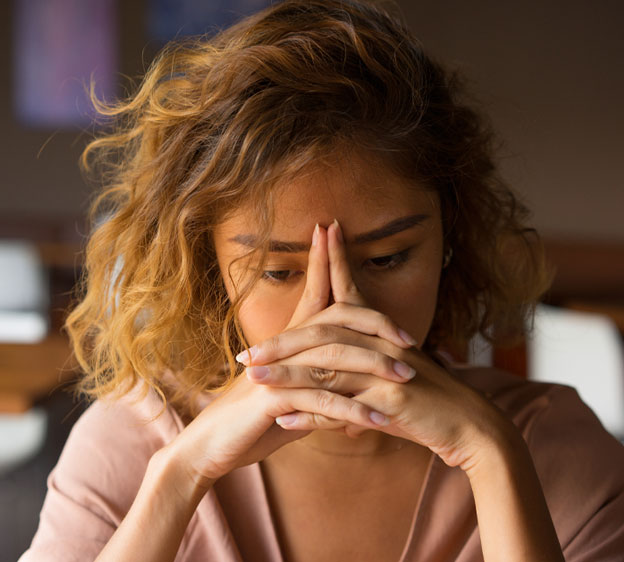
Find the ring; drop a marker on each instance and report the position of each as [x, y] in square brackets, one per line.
[322, 375]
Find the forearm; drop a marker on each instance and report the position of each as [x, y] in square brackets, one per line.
[514, 521]
[156, 522]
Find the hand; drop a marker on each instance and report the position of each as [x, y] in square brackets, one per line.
[351, 350]
[238, 427]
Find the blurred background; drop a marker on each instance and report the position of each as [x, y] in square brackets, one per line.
[548, 73]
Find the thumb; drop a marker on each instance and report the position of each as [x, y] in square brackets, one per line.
[316, 291]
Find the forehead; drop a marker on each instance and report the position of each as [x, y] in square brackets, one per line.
[361, 193]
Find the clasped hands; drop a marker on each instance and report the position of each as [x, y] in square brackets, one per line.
[356, 352]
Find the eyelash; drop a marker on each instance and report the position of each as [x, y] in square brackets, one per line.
[398, 260]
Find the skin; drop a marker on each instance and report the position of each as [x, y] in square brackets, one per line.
[325, 366]
[406, 295]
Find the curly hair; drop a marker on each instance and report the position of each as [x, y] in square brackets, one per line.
[217, 123]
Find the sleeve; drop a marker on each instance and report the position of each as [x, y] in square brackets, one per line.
[581, 468]
[94, 482]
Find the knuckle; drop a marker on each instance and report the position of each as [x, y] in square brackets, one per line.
[322, 332]
[324, 401]
[382, 364]
[266, 391]
[333, 351]
[280, 373]
[394, 396]
[267, 395]
[272, 345]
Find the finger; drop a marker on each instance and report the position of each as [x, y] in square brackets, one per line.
[354, 431]
[295, 341]
[302, 376]
[315, 295]
[343, 287]
[355, 359]
[308, 421]
[328, 404]
[276, 438]
[344, 357]
[362, 319]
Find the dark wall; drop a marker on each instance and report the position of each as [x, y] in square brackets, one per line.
[40, 175]
[549, 73]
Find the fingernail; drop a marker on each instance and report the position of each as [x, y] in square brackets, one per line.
[247, 356]
[257, 373]
[286, 419]
[404, 370]
[378, 418]
[315, 235]
[407, 338]
[338, 231]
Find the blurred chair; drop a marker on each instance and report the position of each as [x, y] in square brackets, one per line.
[582, 350]
[24, 294]
[576, 348]
[24, 298]
[21, 437]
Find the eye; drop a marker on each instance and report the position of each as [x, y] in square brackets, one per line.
[383, 263]
[391, 261]
[279, 276]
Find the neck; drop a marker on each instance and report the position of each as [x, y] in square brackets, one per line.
[368, 444]
[330, 454]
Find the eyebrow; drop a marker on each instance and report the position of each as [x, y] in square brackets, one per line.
[388, 229]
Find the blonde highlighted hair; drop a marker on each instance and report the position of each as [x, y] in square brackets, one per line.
[217, 123]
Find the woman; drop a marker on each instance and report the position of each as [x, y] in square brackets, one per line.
[310, 184]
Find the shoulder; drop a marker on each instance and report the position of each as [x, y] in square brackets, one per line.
[138, 419]
[552, 417]
[546, 413]
[110, 445]
[580, 465]
[99, 473]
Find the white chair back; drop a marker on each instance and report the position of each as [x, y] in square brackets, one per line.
[24, 293]
[585, 351]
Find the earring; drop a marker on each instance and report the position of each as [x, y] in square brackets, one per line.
[447, 257]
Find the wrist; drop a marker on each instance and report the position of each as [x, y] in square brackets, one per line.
[167, 469]
[501, 447]
[513, 516]
[493, 440]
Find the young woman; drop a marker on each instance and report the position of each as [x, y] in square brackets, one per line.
[309, 193]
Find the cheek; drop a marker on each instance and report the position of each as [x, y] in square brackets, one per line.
[265, 312]
[411, 305]
[420, 306]
[263, 315]
[409, 298]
